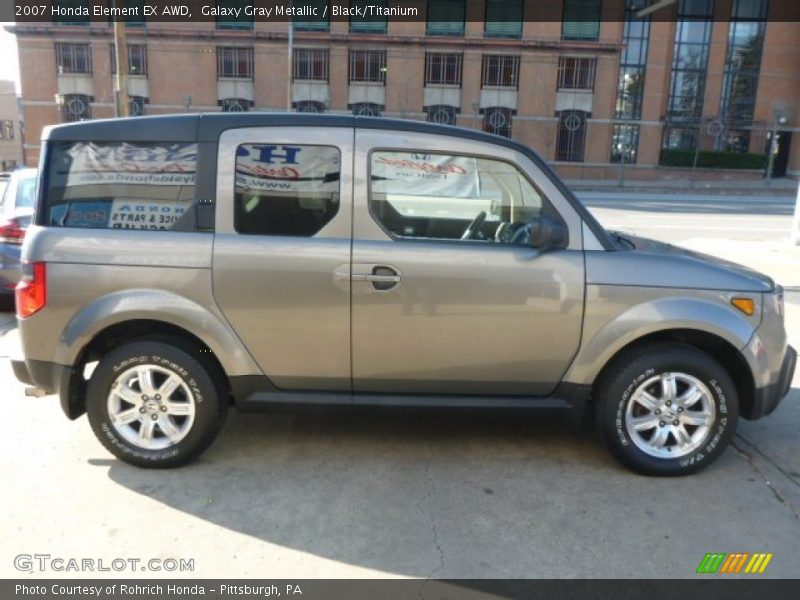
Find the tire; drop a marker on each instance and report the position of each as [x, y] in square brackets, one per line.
[654, 428]
[177, 428]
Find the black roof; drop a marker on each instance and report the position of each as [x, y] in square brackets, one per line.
[207, 127]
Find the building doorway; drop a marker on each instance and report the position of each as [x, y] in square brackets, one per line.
[781, 162]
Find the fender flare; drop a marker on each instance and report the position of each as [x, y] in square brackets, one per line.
[656, 316]
[156, 305]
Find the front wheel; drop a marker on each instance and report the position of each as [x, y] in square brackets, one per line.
[152, 404]
[667, 409]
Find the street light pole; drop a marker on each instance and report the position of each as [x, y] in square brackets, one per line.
[289, 63]
[121, 50]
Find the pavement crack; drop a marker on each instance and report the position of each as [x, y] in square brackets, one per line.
[770, 486]
[422, 504]
[766, 457]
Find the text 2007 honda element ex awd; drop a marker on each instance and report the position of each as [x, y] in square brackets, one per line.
[181, 264]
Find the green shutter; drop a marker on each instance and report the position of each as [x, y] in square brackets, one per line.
[504, 18]
[581, 20]
[319, 23]
[445, 17]
[368, 24]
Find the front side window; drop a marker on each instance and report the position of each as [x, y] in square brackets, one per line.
[421, 195]
[120, 185]
[285, 190]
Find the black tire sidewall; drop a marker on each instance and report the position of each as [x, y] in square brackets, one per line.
[209, 411]
[616, 396]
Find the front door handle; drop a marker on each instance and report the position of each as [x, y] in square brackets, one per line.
[382, 277]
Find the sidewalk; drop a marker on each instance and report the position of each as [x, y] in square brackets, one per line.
[761, 187]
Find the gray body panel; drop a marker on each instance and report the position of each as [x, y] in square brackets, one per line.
[466, 319]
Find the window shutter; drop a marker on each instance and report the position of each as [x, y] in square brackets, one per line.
[446, 17]
[581, 19]
[504, 18]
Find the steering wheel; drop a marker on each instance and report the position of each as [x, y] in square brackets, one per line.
[471, 231]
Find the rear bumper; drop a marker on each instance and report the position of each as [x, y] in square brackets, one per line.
[52, 378]
[767, 398]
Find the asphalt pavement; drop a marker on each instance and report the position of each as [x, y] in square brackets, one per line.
[341, 495]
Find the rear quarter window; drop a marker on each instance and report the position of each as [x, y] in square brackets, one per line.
[120, 185]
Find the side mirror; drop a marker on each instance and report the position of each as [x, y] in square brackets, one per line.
[548, 233]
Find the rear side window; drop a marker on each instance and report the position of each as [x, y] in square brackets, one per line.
[119, 185]
[26, 188]
[285, 189]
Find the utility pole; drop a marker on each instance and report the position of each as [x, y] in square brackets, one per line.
[121, 49]
[289, 63]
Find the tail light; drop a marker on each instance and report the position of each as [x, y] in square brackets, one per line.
[31, 291]
[11, 232]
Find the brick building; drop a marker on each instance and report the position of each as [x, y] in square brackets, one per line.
[10, 128]
[587, 83]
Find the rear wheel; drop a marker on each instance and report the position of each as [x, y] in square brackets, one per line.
[152, 404]
[667, 409]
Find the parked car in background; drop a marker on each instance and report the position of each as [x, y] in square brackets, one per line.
[4, 177]
[16, 211]
[180, 264]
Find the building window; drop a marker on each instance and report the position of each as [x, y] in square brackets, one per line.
[571, 136]
[443, 69]
[320, 19]
[442, 114]
[368, 66]
[581, 20]
[689, 67]
[624, 143]
[73, 58]
[576, 73]
[140, 20]
[500, 70]
[366, 109]
[497, 120]
[240, 23]
[503, 18]
[235, 105]
[369, 23]
[137, 106]
[309, 106]
[234, 61]
[137, 59]
[76, 107]
[636, 38]
[445, 17]
[311, 64]
[70, 12]
[742, 70]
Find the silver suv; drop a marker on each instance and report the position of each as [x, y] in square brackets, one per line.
[182, 264]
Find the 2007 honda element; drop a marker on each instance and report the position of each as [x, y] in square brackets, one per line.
[181, 264]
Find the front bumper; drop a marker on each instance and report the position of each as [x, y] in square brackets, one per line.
[767, 398]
